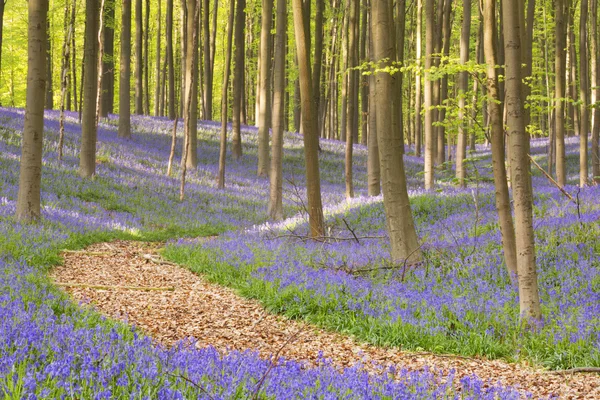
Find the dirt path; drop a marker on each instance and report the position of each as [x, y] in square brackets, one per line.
[180, 304]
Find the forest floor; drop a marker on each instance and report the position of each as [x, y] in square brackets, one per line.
[129, 281]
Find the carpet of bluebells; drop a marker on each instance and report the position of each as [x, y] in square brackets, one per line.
[51, 348]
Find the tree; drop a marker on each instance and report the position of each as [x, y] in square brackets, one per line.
[502, 198]
[124, 72]
[225, 91]
[276, 175]
[351, 104]
[139, 60]
[595, 74]
[428, 94]
[559, 91]
[309, 124]
[157, 87]
[418, 47]
[30, 174]
[49, 86]
[463, 84]
[583, 94]
[170, 61]
[264, 117]
[238, 77]
[2, 6]
[87, 156]
[400, 224]
[191, 78]
[529, 302]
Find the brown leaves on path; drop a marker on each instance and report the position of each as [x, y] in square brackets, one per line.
[129, 281]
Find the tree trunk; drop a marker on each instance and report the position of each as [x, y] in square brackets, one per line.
[529, 302]
[238, 77]
[208, 71]
[87, 156]
[264, 114]
[125, 72]
[401, 229]
[64, 78]
[364, 80]
[318, 61]
[2, 5]
[596, 92]
[309, 123]
[157, 87]
[429, 136]
[276, 183]
[170, 60]
[191, 78]
[224, 93]
[74, 56]
[559, 91]
[146, 86]
[352, 63]
[418, 47]
[373, 167]
[505, 220]
[139, 59]
[100, 63]
[30, 174]
[442, 84]
[583, 94]
[108, 62]
[400, 38]
[463, 84]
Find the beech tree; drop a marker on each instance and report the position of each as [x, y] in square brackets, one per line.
[124, 72]
[30, 173]
[87, 155]
[264, 114]
[401, 228]
[238, 77]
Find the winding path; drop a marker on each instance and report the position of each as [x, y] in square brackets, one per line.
[129, 281]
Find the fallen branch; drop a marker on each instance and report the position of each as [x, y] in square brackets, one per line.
[110, 287]
[156, 260]
[553, 181]
[574, 370]
[351, 230]
[89, 253]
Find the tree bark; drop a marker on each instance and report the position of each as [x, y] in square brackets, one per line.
[30, 173]
[224, 93]
[373, 165]
[208, 71]
[595, 153]
[502, 198]
[264, 114]
[2, 5]
[559, 91]
[403, 237]
[429, 136]
[309, 123]
[146, 85]
[529, 302]
[418, 48]
[64, 77]
[583, 94]
[238, 77]
[139, 59]
[276, 182]
[191, 78]
[351, 72]
[125, 72]
[157, 87]
[49, 84]
[170, 61]
[87, 156]
[463, 84]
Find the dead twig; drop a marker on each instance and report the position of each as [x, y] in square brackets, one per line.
[351, 230]
[155, 260]
[185, 378]
[110, 287]
[567, 194]
[89, 253]
[575, 370]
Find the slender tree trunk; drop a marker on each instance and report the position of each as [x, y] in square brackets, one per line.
[64, 78]
[418, 47]
[158, 86]
[100, 62]
[429, 136]
[559, 91]
[352, 63]
[238, 77]
[139, 59]
[125, 72]
[401, 229]
[463, 84]
[30, 174]
[318, 60]
[87, 156]
[224, 93]
[505, 220]
[529, 302]
[264, 114]
[364, 80]
[309, 123]
[191, 78]
[146, 86]
[400, 39]
[276, 184]
[108, 62]
[373, 167]
[2, 5]
[596, 92]
[170, 60]
[442, 84]
[583, 94]
[208, 72]
[74, 58]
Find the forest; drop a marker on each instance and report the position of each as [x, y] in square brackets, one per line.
[285, 199]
